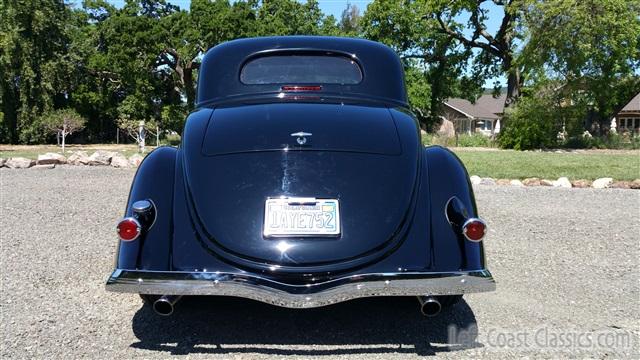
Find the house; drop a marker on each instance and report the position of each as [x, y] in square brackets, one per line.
[628, 118]
[483, 116]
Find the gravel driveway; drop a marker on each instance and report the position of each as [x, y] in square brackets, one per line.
[566, 262]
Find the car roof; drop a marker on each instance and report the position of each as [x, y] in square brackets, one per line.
[219, 74]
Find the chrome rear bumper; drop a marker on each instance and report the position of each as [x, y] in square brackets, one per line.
[299, 296]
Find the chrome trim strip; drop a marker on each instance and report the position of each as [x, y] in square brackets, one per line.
[300, 296]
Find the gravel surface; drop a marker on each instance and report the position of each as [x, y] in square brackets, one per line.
[566, 262]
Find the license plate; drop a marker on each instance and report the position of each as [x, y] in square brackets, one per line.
[301, 217]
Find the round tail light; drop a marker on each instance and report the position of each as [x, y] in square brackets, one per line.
[474, 229]
[128, 229]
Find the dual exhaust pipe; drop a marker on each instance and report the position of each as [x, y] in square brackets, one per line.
[429, 306]
[164, 306]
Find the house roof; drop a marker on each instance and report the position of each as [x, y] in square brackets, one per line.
[485, 107]
[633, 105]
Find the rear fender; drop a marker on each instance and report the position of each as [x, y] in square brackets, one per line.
[153, 181]
[448, 178]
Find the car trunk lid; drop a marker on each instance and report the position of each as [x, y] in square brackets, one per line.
[248, 155]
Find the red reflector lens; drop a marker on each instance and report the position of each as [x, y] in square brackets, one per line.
[129, 229]
[301, 88]
[474, 229]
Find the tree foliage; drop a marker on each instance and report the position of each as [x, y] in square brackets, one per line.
[433, 64]
[63, 122]
[592, 47]
[140, 61]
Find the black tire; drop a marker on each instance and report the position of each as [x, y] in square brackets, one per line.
[447, 301]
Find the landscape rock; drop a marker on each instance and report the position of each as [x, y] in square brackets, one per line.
[602, 183]
[581, 184]
[475, 179]
[19, 163]
[531, 182]
[503, 182]
[516, 182]
[101, 157]
[78, 158]
[447, 129]
[562, 182]
[51, 158]
[120, 161]
[135, 159]
[487, 181]
[2, 161]
[45, 166]
[635, 184]
[545, 182]
[621, 185]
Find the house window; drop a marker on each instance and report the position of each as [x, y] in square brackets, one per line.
[485, 125]
[629, 124]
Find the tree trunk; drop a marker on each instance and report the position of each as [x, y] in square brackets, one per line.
[187, 82]
[514, 81]
[9, 106]
[141, 136]
[63, 134]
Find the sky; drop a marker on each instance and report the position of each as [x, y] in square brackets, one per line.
[335, 7]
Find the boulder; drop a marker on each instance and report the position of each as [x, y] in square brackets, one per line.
[516, 182]
[581, 184]
[100, 157]
[475, 179]
[621, 185]
[19, 163]
[119, 161]
[51, 158]
[447, 129]
[635, 184]
[135, 159]
[531, 182]
[2, 161]
[562, 182]
[602, 183]
[78, 158]
[487, 181]
[545, 182]
[503, 182]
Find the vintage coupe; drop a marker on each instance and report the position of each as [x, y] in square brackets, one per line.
[301, 181]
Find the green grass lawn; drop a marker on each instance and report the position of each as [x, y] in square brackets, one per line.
[590, 165]
[498, 164]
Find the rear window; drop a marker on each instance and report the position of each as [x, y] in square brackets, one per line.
[301, 69]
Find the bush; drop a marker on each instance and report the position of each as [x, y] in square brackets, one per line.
[474, 140]
[530, 125]
[464, 140]
[610, 141]
[173, 139]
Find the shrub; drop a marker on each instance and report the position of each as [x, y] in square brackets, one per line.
[173, 139]
[474, 140]
[530, 125]
[610, 141]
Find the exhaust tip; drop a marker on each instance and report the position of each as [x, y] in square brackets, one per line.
[163, 307]
[429, 306]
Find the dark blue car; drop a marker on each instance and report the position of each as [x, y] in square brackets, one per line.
[301, 181]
